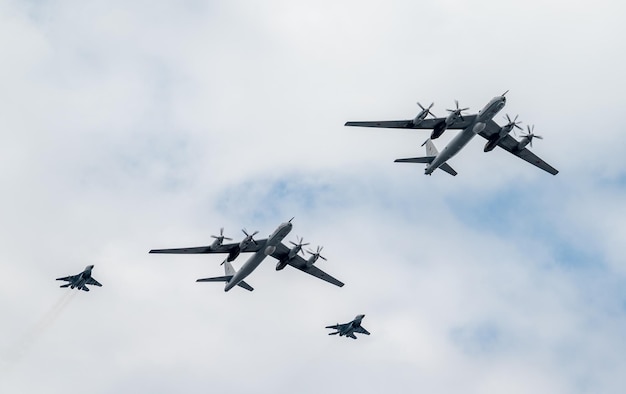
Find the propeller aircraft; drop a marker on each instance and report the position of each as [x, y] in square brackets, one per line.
[260, 249]
[470, 125]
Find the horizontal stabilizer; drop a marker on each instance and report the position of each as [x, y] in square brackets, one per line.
[333, 333]
[424, 160]
[446, 167]
[66, 285]
[245, 285]
[216, 279]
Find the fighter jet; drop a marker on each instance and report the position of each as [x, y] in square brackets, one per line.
[81, 280]
[348, 329]
[272, 246]
[471, 125]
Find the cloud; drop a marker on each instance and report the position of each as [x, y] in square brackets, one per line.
[136, 126]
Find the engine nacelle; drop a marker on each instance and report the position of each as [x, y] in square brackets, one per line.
[491, 144]
[522, 144]
[280, 265]
[438, 130]
[233, 254]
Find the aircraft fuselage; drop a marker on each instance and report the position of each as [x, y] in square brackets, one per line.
[253, 262]
[460, 140]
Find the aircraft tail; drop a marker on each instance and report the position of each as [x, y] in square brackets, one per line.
[66, 285]
[431, 152]
[230, 272]
[431, 149]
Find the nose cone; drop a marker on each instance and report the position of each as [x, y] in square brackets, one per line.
[90, 267]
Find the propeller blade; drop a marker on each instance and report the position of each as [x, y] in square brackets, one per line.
[420, 105]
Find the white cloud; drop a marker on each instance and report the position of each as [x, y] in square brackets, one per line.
[136, 126]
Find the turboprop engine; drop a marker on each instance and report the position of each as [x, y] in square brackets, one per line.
[528, 138]
[504, 131]
[449, 121]
[314, 256]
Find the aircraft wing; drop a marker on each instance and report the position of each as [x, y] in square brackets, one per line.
[339, 327]
[70, 278]
[224, 248]
[92, 281]
[361, 330]
[408, 124]
[281, 253]
[509, 144]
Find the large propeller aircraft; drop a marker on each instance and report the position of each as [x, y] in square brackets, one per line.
[261, 248]
[471, 125]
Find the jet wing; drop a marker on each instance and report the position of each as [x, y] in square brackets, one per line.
[281, 253]
[225, 248]
[510, 144]
[361, 330]
[68, 278]
[408, 124]
[339, 327]
[92, 281]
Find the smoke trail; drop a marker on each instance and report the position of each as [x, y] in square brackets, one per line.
[30, 336]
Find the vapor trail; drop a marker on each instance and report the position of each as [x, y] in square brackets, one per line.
[14, 354]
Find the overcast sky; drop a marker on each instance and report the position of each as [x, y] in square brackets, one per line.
[129, 126]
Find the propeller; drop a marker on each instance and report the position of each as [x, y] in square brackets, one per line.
[427, 109]
[317, 253]
[299, 245]
[221, 237]
[513, 123]
[458, 110]
[250, 235]
[531, 135]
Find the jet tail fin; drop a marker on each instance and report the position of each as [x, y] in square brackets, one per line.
[446, 167]
[216, 279]
[431, 153]
[245, 285]
[431, 149]
[229, 272]
[228, 268]
[425, 160]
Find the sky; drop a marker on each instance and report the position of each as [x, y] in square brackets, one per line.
[130, 126]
